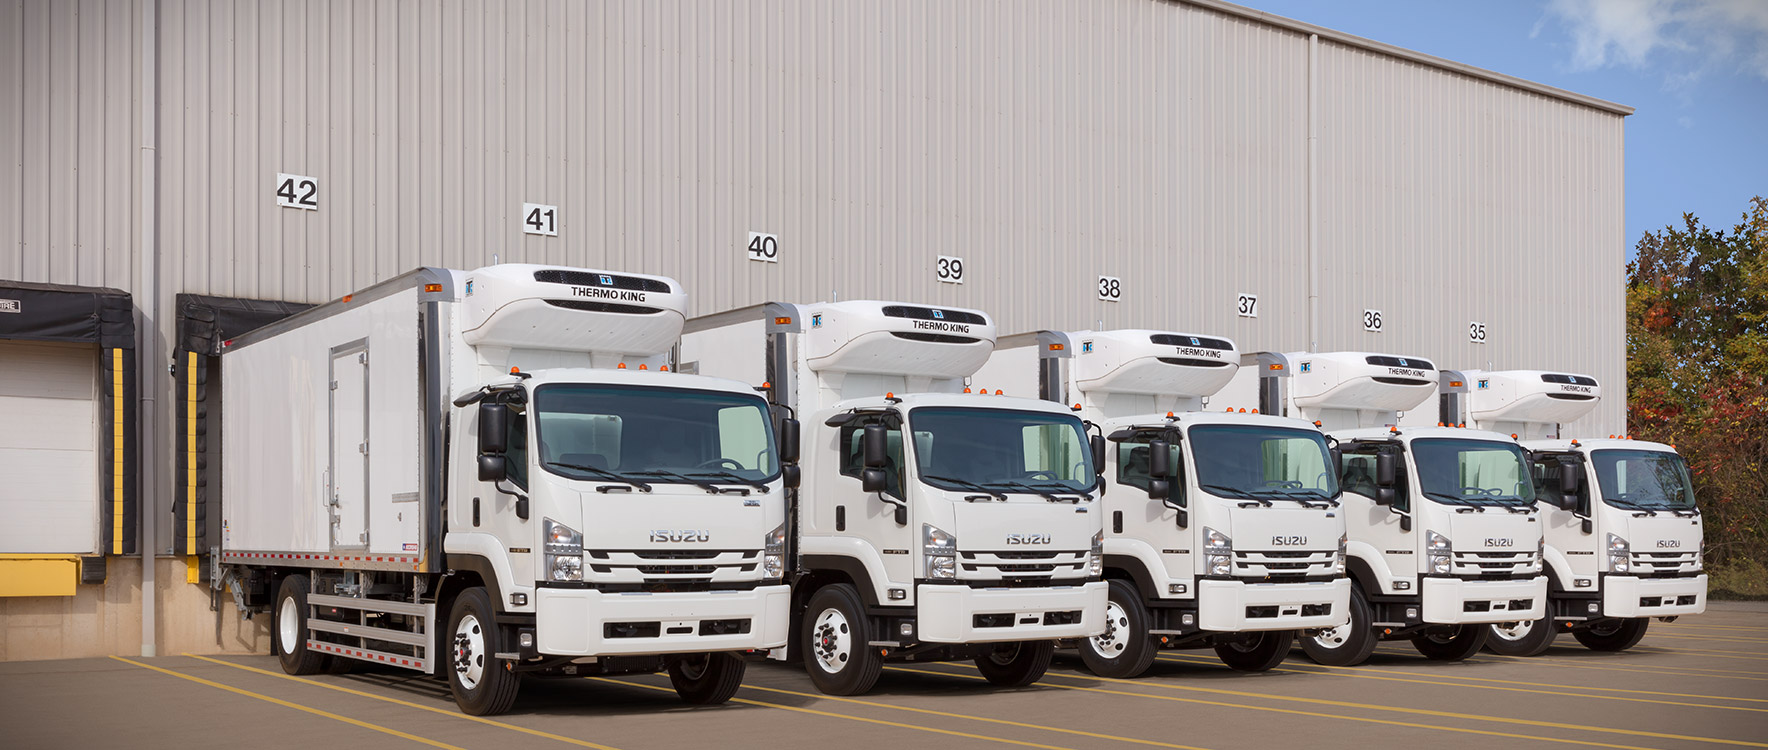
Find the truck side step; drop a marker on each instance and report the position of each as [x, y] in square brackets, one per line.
[354, 637]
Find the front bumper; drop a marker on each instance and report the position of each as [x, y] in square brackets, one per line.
[1453, 601]
[1627, 596]
[947, 614]
[574, 622]
[1223, 606]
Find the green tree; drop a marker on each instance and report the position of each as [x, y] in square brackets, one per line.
[1697, 368]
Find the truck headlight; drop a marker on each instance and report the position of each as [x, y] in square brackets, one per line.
[1540, 554]
[939, 551]
[1097, 566]
[564, 551]
[1218, 553]
[1338, 567]
[1619, 554]
[1436, 546]
[773, 553]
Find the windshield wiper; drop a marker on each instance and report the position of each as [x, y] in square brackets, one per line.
[969, 485]
[1629, 504]
[1047, 495]
[1064, 491]
[707, 486]
[1307, 500]
[734, 478]
[1457, 499]
[1236, 492]
[603, 473]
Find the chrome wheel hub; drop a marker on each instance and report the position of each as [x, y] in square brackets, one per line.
[469, 652]
[832, 640]
[1116, 638]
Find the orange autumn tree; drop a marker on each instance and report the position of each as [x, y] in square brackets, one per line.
[1697, 368]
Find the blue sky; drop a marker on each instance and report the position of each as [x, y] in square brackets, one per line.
[1695, 71]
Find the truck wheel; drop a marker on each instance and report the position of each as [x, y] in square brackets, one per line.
[482, 683]
[291, 629]
[1125, 649]
[1347, 644]
[1523, 638]
[836, 654]
[1259, 653]
[1613, 635]
[1454, 645]
[1016, 664]
[707, 679]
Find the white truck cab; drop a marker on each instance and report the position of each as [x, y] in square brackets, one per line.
[1623, 535]
[933, 522]
[1222, 529]
[1444, 535]
[493, 474]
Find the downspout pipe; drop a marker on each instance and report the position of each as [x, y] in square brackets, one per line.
[148, 302]
[1313, 192]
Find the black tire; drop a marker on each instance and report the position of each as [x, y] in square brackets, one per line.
[1016, 663]
[1613, 635]
[836, 654]
[1349, 644]
[289, 629]
[1462, 642]
[707, 679]
[1125, 649]
[1258, 653]
[1526, 638]
[482, 684]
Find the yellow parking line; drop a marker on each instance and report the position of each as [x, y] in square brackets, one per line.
[1559, 661]
[1423, 711]
[1535, 684]
[408, 704]
[832, 715]
[970, 717]
[296, 706]
[1296, 712]
[1320, 670]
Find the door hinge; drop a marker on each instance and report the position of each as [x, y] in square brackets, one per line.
[364, 537]
[363, 358]
[364, 448]
[334, 385]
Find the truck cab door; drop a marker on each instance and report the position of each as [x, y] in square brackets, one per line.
[348, 474]
[1378, 525]
[1154, 524]
[872, 516]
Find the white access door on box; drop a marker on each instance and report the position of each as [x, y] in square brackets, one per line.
[349, 446]
[48, 448]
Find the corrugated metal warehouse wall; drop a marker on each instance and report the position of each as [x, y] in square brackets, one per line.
[1045, 143]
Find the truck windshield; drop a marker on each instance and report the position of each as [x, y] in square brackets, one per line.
[660, 435]
[1000, 449]
[1653, 479]
[1263, 463]
[1473, 472]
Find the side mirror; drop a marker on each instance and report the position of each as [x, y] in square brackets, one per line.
[1160, 465]
[1384, 496]
[492, 468]
[1159, 489]
[790, 475]
[1386, 469]
[1571, 475]
[1097, 443]
[872, 480]
[873, 448]
[494, 428]
[789, 441]
[1336, 455]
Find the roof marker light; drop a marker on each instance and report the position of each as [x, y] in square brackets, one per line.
[768, 384]
[1276, 367]
[1512, 436]
[966, 389]
[999, 393]
[782, 321]
[620, 366]
[1462, 425]
[888, 394]
[1242, 410]
[1169, 415]
[1255, 411]
[349, 297]
[1439, 424]
[1057, 347]
[664, 368]
[643, 367]
[1317, 423]
[1456, 384]
[1077, 407]
[432, 287]
[515, 370]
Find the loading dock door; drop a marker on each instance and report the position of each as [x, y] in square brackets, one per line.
[49, 499]
[349, 446]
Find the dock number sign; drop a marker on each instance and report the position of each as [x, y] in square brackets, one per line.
[1246, 305]
[297, 191]
[539, 218]
[764, 247]
[1110, 288]
[950, 269]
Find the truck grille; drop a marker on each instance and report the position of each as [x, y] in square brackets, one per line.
[1664, 564]
[1022, 565]
[1283, 564]
[1495, 565]
[672, 566]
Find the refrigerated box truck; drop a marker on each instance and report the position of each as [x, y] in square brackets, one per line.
[1623, 532]
[492, 474]
[1223, 528]
[934, 522]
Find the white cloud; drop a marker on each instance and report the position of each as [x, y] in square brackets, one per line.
[1683, 39]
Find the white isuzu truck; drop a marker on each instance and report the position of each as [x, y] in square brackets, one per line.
[1444, 533]
[492, 474]
[1222, 529]
[1623, 532]
[934, 522]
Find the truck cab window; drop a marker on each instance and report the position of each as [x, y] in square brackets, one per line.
[853, 459]
[516, 454]
[1359, 476]
[1132, 465]
[1546, 474]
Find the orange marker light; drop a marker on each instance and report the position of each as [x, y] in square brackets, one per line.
[1439, 424]
[782, 321]
[1512, 436]
[1318, 423]
[966, 389]
[767, 384]
[349, 297]
[1242, 410]
[1255, 411]
[998, 392]
[1276, 367]
[1169, 415]
[1057, 347]
[643, 367]
[515, 370]
[432, 287]
[620, 366]
[664, 368]
[1455, 384]
[1077, 406]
